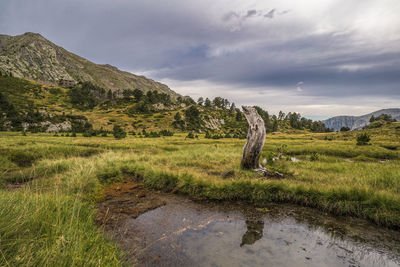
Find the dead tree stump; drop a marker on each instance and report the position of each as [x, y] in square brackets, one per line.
[255, 139]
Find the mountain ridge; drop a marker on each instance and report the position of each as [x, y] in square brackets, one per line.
[32, 56]
[357, 122]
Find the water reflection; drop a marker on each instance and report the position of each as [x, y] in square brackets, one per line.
[254, 232]
[185, 233]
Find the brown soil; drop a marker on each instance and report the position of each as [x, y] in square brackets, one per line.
[126, 200]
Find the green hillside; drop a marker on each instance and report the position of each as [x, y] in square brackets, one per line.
[33, 57]
[36, 107]
[55, 103]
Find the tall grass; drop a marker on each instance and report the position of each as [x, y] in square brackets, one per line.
[50, 221]
[51, 230]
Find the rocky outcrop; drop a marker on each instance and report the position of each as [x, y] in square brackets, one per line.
[213, 123]
[49, 127]
[59, 127]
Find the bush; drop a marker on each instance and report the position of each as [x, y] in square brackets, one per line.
[344, 129]
[363, 139]
[314, 156]
[90, 133]
[190, 135]
[118, 132]
[166, 133]
[152, 134]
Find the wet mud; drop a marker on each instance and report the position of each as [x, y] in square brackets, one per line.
[125, 200]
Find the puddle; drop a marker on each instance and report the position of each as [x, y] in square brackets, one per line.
[188, 233]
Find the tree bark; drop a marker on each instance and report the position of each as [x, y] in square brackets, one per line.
[255, 139]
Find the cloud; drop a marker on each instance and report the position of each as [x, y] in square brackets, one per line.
[251, 13]
[270, 14]
[233, 46]
[230, 15]
[298, 87]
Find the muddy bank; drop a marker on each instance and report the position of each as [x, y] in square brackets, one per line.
[126, 200]
[156, 228]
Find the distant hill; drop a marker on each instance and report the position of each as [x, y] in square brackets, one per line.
[31, 56]
[37, 107]
[357, 122]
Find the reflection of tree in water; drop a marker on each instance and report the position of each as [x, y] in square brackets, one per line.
[254, 232]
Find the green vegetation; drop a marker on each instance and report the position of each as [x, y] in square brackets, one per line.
[88, 108]
[50, 183]
[118, 132]
[363, 139]
[379, 121]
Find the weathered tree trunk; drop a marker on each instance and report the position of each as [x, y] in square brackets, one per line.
[255, 139]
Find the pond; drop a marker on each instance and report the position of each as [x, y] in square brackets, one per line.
[191, 233]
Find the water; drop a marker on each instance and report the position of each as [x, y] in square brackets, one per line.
[186, 233]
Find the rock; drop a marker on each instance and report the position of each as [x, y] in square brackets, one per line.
[213, 123]
[63, 126]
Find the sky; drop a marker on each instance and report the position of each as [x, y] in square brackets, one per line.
[321, 58]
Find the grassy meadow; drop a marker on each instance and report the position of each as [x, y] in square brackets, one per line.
[50, 184]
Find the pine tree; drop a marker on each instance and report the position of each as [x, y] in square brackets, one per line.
[232, 109]
[207, 103]
[200, 101]
[109, 95]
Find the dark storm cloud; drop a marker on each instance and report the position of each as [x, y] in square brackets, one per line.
[270, 14]
[251, 13]
[185, 41]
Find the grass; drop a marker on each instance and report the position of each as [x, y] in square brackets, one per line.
[51, 220]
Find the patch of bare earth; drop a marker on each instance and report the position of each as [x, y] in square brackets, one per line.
[126, 200]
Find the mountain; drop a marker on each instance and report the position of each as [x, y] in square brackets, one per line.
[31, 56]
[357, 122]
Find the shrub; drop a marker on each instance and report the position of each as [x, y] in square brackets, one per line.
[166, 133]
[90, 133]
[344, 129]
[314, 156]
[190, 135]
[118, 132]
[363, 139]
[152, 134]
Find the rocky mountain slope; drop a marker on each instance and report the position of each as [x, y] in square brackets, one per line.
[31, 56]
[357, 122]
[36, 107]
